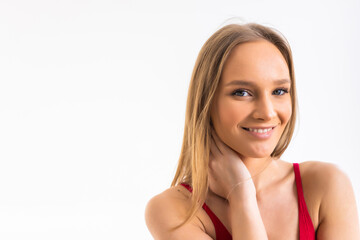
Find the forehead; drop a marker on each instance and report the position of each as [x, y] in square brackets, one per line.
[259, 62]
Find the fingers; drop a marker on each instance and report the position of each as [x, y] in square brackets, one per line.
[214, 149]
[212, 160]
[211, 172]
[215, 143]
[215, 152]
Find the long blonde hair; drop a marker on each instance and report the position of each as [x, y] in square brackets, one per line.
[194, 157]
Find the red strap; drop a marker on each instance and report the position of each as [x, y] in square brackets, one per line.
[306, 226]
[220, 230]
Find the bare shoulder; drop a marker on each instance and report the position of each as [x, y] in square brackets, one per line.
[320, 177]
[319, 170]
[318, 165]
[334, 194]
[169, 209]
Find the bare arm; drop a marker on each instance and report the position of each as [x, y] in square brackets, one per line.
[338, 212]
[226, 169]
[245, 218]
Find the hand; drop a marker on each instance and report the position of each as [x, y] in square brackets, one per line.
[226, 168]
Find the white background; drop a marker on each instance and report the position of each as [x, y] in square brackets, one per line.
[93, 93]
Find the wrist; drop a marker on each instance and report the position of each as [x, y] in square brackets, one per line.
[242, 192]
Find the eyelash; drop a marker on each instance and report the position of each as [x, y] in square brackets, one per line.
[286, 90]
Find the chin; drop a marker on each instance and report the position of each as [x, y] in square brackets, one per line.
[255, 153]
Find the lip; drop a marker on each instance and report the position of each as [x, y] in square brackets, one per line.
[262, 127]
[261, 135]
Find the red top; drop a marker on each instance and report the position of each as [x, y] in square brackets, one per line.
[306, 226]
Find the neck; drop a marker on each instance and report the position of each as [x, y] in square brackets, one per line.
[262, 170]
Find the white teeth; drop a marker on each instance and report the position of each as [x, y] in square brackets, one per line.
[259, 130]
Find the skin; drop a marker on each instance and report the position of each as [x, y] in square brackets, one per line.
[264, 207]
[264, 103]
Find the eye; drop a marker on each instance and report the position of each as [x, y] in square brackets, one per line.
[284, 90]
[240, 93]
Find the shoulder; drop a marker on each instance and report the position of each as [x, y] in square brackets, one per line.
[322, 174]
[319, 178]
[337, 212]
[165, 209]
[319, 169]
[169, 209]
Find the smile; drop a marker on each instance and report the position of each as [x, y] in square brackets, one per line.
[259, 130]
[262, 133]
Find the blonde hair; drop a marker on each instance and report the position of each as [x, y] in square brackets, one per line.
[194, 157]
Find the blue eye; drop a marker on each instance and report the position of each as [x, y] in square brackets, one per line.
[282, 89]
[239, 91]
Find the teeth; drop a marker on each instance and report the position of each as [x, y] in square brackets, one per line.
[259, 130]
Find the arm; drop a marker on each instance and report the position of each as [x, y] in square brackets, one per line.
[226, 169]
[245, 218]
[338, 212]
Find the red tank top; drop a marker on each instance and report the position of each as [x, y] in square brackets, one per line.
[306, 226]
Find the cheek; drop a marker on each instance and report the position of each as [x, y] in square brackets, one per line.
[285, 112]
[229, 113]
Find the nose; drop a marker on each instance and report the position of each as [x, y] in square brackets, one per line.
[264, 109]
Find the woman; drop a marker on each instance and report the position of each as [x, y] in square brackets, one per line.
[230, 182]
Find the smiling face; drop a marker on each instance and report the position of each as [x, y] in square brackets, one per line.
[254, 92]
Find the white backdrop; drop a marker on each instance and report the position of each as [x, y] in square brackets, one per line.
[93, 93]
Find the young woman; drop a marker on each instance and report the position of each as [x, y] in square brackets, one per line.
[230, 182]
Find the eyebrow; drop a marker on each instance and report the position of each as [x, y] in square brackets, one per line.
[248, 83]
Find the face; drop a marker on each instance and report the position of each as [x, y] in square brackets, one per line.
[253, 94]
